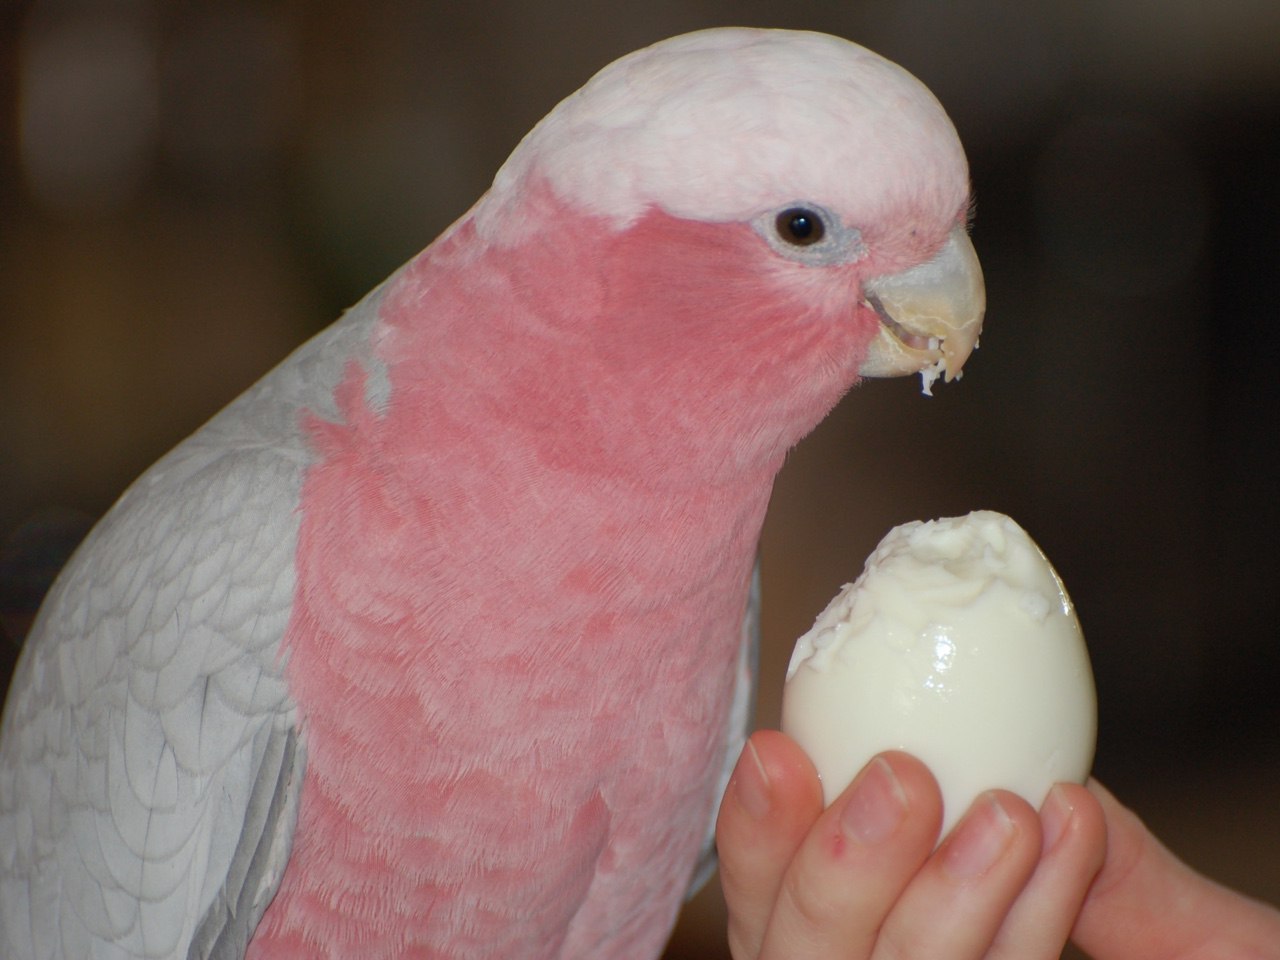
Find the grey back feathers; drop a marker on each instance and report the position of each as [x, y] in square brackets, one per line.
[150, 766]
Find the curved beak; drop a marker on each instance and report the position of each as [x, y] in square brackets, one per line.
[930, 315]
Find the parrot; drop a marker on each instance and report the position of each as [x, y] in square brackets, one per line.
[439, 641]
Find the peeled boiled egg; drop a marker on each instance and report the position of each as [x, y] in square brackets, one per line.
[958, 644]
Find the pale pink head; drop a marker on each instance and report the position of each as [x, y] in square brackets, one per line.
[728, 124]
[728, 228]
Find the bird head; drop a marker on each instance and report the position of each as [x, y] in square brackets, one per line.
[725, 231]
[838, 159]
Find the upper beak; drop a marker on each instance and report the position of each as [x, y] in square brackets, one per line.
[930, 315]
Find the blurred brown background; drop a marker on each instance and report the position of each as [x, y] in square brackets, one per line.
[187, 190]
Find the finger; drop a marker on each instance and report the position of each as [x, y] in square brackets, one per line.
[954, 906]
[1127, 914]
[1074, 846]
[855, 861]
[772, 800]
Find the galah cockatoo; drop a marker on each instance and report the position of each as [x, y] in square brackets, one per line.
[432, 643]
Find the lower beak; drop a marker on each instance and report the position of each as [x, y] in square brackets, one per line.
[930, 315]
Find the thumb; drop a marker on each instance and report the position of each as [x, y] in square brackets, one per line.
[1146, 904]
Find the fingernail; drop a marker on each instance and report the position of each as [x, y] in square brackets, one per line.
[1055, 815]
[979, 841]
[876, 806]
[751, 784]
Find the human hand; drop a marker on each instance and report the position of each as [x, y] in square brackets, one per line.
[859, 881]
[862, 879]
[1146, 904]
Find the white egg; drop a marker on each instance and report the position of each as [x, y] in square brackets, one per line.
[958, 644]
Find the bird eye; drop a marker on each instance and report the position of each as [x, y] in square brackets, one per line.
[800, 226]
[807, 232]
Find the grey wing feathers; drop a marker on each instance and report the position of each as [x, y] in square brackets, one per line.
[260, 858]
[148, 764]
[741, 717]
